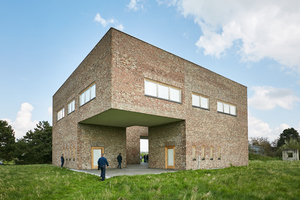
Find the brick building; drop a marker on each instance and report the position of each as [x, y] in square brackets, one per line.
[125, 88]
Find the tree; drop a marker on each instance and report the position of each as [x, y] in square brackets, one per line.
[286, 135]
[36, 146]
[268, 150]
[7, 141]
[291, 144]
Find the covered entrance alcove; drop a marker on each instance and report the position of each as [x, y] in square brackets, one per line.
[161, 132]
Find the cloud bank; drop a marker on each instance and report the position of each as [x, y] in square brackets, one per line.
[258, 128]
[267, 98]
[106, 22]
[134, 5]
[259, 29]
[23, 122]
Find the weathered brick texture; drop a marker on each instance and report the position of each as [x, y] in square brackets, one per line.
[133, 134]
[118, 65]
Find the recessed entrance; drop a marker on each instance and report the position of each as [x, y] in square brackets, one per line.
[96, 154]
[170, 157]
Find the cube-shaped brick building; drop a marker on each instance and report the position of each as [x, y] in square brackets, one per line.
[126, 88]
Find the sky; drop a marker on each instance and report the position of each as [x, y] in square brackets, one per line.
[255, 43]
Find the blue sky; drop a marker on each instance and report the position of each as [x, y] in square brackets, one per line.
[255, 43]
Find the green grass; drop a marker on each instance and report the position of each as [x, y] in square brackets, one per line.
[271, 179]
[253, 156]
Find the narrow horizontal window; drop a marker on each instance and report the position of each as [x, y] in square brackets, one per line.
[162, 91]
[71, 106]
[200, 101]
[226, 108]
[60, 114]
[88, 95]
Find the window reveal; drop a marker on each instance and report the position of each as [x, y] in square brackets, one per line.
[162, 91]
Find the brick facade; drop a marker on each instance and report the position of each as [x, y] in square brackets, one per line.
[133, 135]
[121, 112]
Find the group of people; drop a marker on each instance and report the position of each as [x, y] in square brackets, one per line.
[102, 163]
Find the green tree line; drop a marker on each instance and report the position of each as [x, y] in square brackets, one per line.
[288, 139]
[34, 148]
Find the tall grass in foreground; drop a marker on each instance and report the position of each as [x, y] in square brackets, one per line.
[260, 180]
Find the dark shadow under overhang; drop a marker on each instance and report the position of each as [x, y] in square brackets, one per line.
[122, 118]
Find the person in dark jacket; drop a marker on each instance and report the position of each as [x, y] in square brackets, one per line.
[102, 162]
[62, 159]
[119, 158]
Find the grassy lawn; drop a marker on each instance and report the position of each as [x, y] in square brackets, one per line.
[270, 179]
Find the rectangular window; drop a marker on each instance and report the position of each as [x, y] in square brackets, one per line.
[194, 152]
[200, 101]
[60, 114]
[232, 110]
[175, 95]
[150, 88]
[211, 153]
[203, 153]
[220, 106]
[196, 100]
[88, 95]
[162, 91]
[226, 108]
[73, 153]
[71, 106]
[219, 153]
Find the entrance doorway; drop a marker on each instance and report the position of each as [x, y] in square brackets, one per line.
[170, 157]
[96, 154]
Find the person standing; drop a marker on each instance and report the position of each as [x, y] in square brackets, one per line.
[119, 158]
[102, 162]
[62, 159]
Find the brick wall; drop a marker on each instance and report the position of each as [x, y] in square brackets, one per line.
[118, 65]
[172, 134]
[112, 139]
[133, 143]
[95, 68]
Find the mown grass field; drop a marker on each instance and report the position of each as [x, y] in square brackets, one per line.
[269, 179]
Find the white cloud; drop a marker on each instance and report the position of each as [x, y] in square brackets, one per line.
[120, 27]
[105, 22]
[261, 29]
[50, 111]
[23, 122]
[258, 128]
[133, 5]
[267, 98]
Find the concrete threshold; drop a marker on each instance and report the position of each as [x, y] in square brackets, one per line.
[130, 170]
